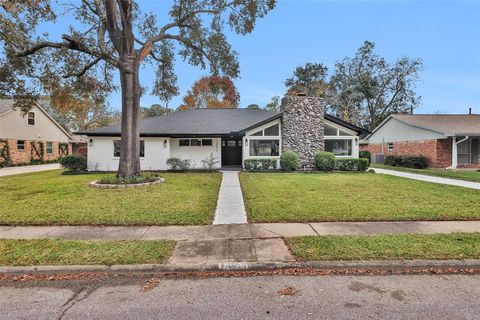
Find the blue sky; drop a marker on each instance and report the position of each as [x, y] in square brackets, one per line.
[444, 34]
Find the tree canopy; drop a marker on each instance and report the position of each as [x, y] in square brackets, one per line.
[211, 92]
[115, 35]
[363, 89]
[155, 110]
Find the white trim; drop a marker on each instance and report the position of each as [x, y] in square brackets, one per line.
[34, 119]
[53, 120]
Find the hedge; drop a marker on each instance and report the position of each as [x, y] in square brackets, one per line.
[325, 161]
[351, 164]
[365, 154]
[416, 162]
[74, 162]
[260, 164]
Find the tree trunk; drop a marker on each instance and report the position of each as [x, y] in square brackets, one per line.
[130, 137]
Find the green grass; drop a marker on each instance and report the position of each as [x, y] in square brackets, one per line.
[50, 198]
[304, 197]
[79, 252]
[467, 175]
[387, 247]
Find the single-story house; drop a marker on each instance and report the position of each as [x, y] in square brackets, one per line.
[31, 137]
[231, 136]
[447, 140]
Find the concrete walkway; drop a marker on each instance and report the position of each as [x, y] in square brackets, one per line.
[230, 208]
[235, 231]
[422, 177]
[27, 169]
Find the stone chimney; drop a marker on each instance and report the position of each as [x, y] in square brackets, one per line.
[303, 127]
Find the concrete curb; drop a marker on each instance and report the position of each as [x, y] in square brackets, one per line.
[251, 266]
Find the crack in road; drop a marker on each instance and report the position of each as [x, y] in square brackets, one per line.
[78, 296]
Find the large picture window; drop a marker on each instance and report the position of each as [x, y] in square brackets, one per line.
[116, 148]
[339, 147]
[264, 148]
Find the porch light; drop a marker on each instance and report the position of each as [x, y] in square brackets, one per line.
[90, 142]
[165, 143]
[246, 142]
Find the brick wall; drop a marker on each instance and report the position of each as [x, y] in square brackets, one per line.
[25, 156]
[438, 152]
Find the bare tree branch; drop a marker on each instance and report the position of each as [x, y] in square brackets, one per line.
[84, 70]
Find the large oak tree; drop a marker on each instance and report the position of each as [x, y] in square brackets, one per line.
[115, 35]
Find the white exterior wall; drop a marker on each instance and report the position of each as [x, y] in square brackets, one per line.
[248, 136]
[14, 126]
[394, 131]
[197, 153]
[157, 151]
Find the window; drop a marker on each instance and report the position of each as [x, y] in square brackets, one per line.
[463, 152]
[195, 142]
[207, 142]
[330, 131]
[49, 147]
[231, 143]
[258, 133]
[339, 147]
[116, 148]
[390, 146]
[272, 131]
[184, 142]
[31, 118]
[343, 133]
[20, 144]
[264, 148]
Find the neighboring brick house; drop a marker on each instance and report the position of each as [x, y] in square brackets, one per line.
[448, 141]
[34, 137]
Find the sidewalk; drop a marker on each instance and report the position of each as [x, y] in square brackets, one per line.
[27, 169]
[421, 177]
[234, 231]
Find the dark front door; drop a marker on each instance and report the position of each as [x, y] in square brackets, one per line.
[231, 151]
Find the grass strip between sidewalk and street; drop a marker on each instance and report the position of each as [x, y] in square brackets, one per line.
[386, 247]
[80, 252]
[466, 175]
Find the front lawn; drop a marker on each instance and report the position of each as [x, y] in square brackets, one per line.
[78, 252]
[309, 197]
[467, 175]
[50, 198]
[387, 247]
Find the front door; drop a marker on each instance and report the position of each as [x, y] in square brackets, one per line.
[231, 151]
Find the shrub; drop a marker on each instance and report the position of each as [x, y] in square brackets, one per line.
[365, 154]
[179, 164]
[289, 161]
[325, 161]
[260, 164]
[210, 162]
[74, 162]
[144, 177]
[416, 162]
[351, 164]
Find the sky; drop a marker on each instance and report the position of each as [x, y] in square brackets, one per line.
[445, 35]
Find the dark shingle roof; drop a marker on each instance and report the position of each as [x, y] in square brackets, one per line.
[448, 124]
[196, 122]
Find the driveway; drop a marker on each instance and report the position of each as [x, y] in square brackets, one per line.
[422, 177]
[27, 169]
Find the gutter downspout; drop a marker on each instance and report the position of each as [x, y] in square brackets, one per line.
[454, 152]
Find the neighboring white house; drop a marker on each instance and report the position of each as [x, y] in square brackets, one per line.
[229, 135]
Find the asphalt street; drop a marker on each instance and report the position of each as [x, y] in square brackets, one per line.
[265, 297]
